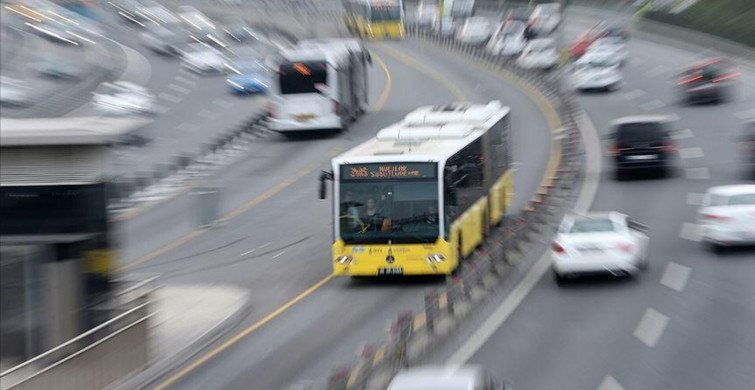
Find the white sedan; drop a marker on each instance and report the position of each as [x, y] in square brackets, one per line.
[509, 41]
[599, 243]
[539, 54]
[615, 45]
[593, 71]
[123, 98]
[475, 31]
[727, 216]
[201, 58]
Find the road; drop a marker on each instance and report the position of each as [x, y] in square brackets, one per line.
[278, 244]
[686, 322]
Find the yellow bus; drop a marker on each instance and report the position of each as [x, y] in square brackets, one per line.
[375, 19]
[422, 194]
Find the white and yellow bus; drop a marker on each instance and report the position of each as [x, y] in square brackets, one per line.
[422, 194]
[375, 19]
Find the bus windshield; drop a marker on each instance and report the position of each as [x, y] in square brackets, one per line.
[385, 13]
[302, 77]
[400, 210]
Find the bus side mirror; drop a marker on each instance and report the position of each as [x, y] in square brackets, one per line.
[324, 176]
[369, 58]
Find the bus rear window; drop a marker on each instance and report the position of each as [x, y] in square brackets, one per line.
[302, 77]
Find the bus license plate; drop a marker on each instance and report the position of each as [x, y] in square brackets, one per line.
[390, 271]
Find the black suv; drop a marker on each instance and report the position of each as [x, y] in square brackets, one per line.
[710, 81]
[642, 143]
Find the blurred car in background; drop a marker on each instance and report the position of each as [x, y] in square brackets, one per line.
[426, 15]
[601, 30]
[203, 59]
[508, 40]
[447, 378]
[597, 72]
[599, 243]
[163, 40]
[123, 98]
[156, 13]
[59, 68]
[248, 77]
[727, 216]
[522, 15]
[14, 92]
[238, 30]
[545, 18]
[55, 32]
[446, 26]
[129, 10]
[540, 53]
[640, 143]
[475, 31]
[614, 46]
[709, 81]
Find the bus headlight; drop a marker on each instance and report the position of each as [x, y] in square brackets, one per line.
[345, 259]
[436, 258]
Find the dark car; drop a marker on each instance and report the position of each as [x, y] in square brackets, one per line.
[709, 81]
[642, 143]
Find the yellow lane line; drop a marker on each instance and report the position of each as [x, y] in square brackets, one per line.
[419, 321]
[379, 355]
[241, 335]
[424, 69]
[388, 82]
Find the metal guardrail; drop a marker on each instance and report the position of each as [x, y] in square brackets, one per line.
[414, 335]
[125, 334]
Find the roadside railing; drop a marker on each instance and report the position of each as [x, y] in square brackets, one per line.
[522, 236]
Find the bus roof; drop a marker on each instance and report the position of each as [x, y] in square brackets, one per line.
[377, 2]
[332, 55]
[332, 43]
[424, 134]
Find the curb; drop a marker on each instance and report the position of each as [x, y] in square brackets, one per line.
[158, 369]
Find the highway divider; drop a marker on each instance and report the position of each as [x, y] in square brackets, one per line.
[413, 337]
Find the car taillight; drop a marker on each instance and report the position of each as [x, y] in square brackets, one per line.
[558, 248]
[667, 146]
[625, 247]
[716, 217]
[689, 80]
[726, 77]
[613, 150]
[270, 111]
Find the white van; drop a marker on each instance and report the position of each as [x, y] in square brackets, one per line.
[317, 88]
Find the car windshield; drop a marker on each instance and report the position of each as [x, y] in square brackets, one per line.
[741, 199]
[640, 132]
[385, 13]
[400, 210]
[592, 225]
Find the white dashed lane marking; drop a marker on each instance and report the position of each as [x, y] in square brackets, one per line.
[676, 275]
[695, 199]
[169, 97]
[698, 173]
[747, 114]
[682, 134]
[657, 71]
[279, 255]
[179, 88]
[187, 127]
[161, 109]
[223, 103]
[651, 327]
[186, 81]
[691, 153]
[609, 383]
[652, 105]
[690, 231]
[633, 94]
[208, 114]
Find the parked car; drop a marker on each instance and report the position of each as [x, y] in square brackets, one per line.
[545, 18]
[203, 59]
[540, 53]
[123, 98]
[616, 46]
[447, 378]
[642, 143]
[475, 31]
[599, 243]
[708, 81]
[14, 92]
[727, 216]
[509, 40]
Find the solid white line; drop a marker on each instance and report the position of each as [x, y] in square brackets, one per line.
[682, 134]
[676, 275]
[179, 88]
[747, 114]
[652, 105]
[279, 254]
[698, 173]
[512, 301]
[186, 81]
[691, 153]
[169, 97]
[695, 198]
[633, 94]
[651, 327]
[690, 231]
[208, 114]
[609, 383]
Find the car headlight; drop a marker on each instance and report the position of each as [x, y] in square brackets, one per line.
[345, 259]
[435, 259]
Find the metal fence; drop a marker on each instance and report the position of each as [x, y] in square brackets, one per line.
[413, 336]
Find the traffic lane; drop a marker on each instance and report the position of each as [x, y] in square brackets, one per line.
[530, 130]
[312, 357]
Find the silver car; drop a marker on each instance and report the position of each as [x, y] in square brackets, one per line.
[447, 378]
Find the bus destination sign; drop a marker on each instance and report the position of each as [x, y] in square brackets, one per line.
[376, 171]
